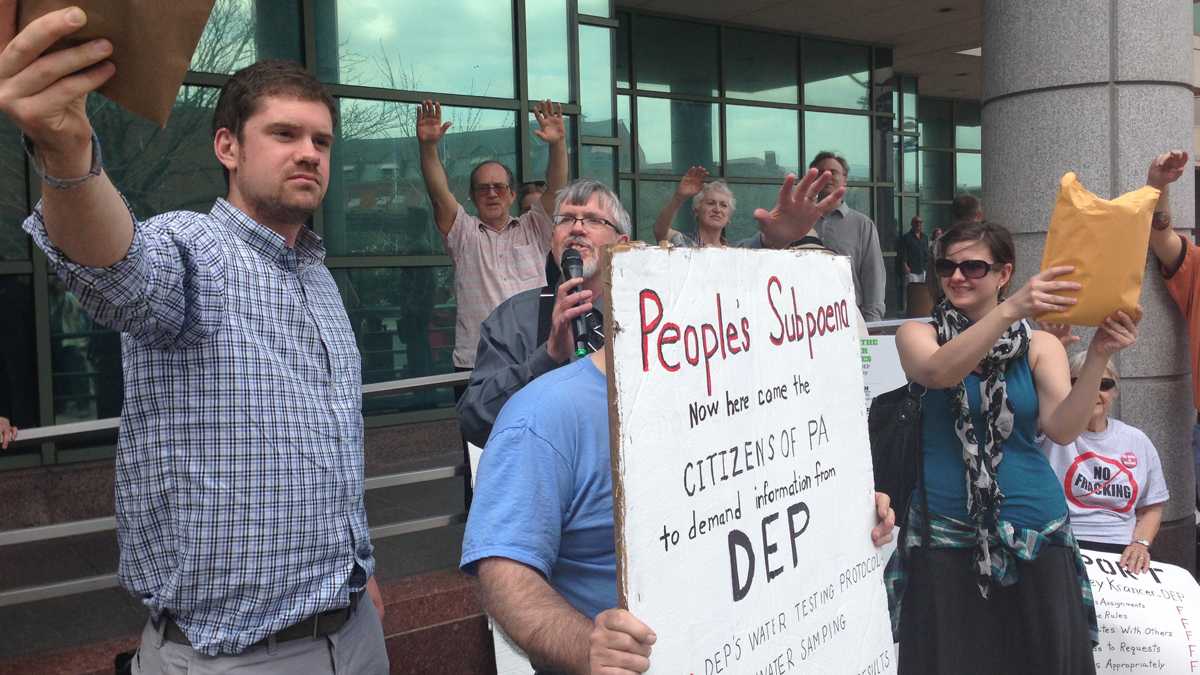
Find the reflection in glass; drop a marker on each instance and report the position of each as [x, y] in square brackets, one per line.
[624, 127]
[937, 129]
[652, 196]
[599, 163]
[886, 220]
[14, 207]
[760, 66]
[403, 320]
[675, 56]
[626, 194]
[742, 224]
[675, 135]
[859, 199]
[908, 102]
[908, 209]
[761, 141]
[240, 32]
[967, 125]
[847, 135]
[836, 75]
[18, 358]
[935, 216]
[887, 154]
[595, 81]
[968, 173]
[85, 361]
[377, 203]
[453, 46]
[594, 7]
[885, 81]
[160, 170]
[546, 28]
[912, 174]
[937, 175]
[538, 160]
[621, 61]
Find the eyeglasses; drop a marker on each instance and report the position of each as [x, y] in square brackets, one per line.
[1106, 384]
[971, 269]
[484, 188]
[590, 222]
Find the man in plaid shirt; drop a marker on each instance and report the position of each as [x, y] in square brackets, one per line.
[239, 485]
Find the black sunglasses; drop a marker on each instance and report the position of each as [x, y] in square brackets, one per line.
[971, 269]
[1106, 384]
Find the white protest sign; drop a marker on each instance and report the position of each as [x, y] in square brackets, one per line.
[1150, 622]
[742, 479]
[881, 366]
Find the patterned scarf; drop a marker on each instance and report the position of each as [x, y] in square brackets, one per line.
[983, 452]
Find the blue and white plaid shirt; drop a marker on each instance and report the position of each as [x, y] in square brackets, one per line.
[239, 474]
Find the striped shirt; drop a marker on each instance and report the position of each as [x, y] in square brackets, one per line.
[239, 471]
[492, 266]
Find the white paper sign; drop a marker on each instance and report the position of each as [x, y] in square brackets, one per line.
[742, 475]
[881, 366]
[1149, 623]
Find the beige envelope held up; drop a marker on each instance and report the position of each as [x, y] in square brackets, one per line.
[153, 42]
[1106, 243]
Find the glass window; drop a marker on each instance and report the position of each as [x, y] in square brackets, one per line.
[887, 155]
[885, 218]
[935, 215]
[595, 81]
[599, 162]
[594, 7]
[401, 334]
[18, 358]
[240, 32]
[659, 47]
[162, 169]
[624, 127]
[937, 180]
[453, 46]
[652, 196]
[912, 174]
[14, 206]
[761, 141]
[742, 224]
[539, 159]
[857, 198]
[847, 135]
[884, 94]
[760, 66]
[85, 361]
[967, 126]
[908, 102]
[675, 135]
[968, 173]
[837, 74]
[621, 62]
[546, 29]
[626, 195]
[907, 209]
[377, 203]
[936, 124]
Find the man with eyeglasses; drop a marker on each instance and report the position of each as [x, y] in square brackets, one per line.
[495, 254]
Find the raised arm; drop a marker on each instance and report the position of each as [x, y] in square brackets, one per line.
[44, 94]
[546, 627]
[430, 131]
[689, 186]
[1164, 170]
[551, 129]
[797, 209]
[941, 366]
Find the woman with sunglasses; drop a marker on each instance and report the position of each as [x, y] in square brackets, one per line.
[1113, 480]
[1001, 587]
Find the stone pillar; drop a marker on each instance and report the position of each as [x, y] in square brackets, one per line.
[1099, 87]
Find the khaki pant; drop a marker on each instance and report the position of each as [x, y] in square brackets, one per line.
[356, 648]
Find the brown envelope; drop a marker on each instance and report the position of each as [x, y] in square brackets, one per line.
[153, 41]
[1106, 243]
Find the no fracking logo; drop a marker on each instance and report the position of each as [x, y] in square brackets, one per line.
[1097, 482]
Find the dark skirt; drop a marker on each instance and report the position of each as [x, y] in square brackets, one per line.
[1038, 625]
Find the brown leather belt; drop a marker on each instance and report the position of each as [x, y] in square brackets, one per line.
[315, 626]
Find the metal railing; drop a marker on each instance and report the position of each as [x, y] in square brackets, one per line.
[76, 430]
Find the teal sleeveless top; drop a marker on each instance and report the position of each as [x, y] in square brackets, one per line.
[1032, 494]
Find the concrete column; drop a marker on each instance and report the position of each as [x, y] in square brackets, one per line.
[1099, 87]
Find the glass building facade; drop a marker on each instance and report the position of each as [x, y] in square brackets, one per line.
[748, 105]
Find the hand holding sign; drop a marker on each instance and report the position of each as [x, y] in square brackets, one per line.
[620, 644]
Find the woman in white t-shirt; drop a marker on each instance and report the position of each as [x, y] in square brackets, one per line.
[1113, 481]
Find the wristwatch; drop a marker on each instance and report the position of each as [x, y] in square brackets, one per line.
[1161, 220]
[64, 183]
[1143, 542]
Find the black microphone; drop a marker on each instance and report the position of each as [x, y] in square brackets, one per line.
[572, 267]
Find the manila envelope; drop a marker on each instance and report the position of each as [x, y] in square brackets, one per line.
[152, 40]
[1106, 243]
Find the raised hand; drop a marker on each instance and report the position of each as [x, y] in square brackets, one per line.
[44, 93]
[692, 182]
[1119, 331]
[550, 122]
[1039, 295]
[1166, 168]
[430, 128]
[797, 209]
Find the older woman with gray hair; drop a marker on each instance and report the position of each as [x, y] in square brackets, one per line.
[713, 204]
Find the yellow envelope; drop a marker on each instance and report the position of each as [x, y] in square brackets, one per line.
[1106, 243]
[152, 43]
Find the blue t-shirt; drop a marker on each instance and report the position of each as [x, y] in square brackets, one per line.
[1032, 494]
[543, 494]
